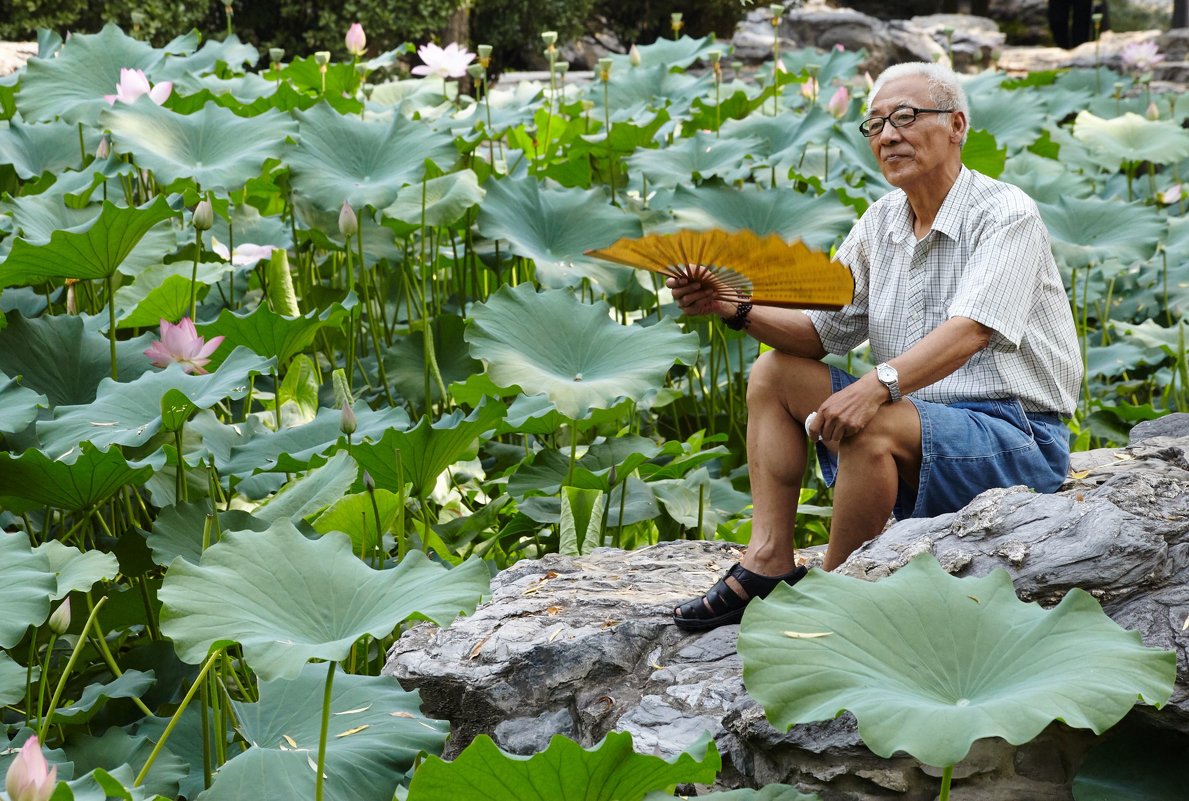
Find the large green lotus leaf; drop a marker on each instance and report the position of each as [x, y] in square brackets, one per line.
[1092, 230]
[287, 599]
[192, 60]
[983, 154]
[18, 405]
[1013, 123]
[364, 162]
[306, 496]
[132, 684]
[162, 292]
[97, 252]
[551, 225]
[376, 733]
[551, 343]
[437, 202]
[293, 449]
[550, 468]
[423, 453]
[1045, 180]
[130, 414]
[34, 149]
[72, 84]
[833, 64]
[116, 784]
[80, 481]
[117, 747]
[26, 584]
[632, 91]
[698, 157]
[355, 516]
[12, 680]
[1120, 358]
[1132, 138]
[75, 570]
[64, 358]
[179, 529]
[1178, 236]
[780, 139]
[214, 147]
[35, 218]
[929, 663]
[565, 771]
[267, 333]
[670, 53]
[817, 221]
[772, 792]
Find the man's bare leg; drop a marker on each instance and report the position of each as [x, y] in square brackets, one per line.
[870, 466]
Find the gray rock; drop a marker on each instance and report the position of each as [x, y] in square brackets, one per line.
[972, 43]
[13, 55]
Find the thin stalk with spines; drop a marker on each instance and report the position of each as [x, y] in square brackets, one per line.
[177, 716]
[78, 649]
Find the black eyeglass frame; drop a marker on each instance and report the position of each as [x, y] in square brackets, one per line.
[865, 125]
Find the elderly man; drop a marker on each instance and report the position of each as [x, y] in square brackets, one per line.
[970, 327]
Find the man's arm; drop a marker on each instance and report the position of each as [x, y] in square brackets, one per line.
[787, 330]
[941, 352]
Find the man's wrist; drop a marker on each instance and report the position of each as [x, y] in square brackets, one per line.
[739, 320]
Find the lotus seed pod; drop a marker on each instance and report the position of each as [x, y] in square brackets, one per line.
[322, 58]
[549, 38]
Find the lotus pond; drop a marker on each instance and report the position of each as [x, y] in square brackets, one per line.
[379, 367]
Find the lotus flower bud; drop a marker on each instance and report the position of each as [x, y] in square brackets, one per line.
[549, 38]
[839, 103]
[634, 57]
[1153, 113]
[322, 58]
[347, 421]
[71, 296]
[103, 151]
[30, 778]
[204, 215]
[356, 40]
[369, 483]
[59, 621]
[348, 222]
[276, 54]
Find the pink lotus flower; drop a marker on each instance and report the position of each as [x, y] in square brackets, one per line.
[180, 343]
[450, 62]
[30, 778]
[356, 40]
[809, 89]
[840, 103]
[244, 255]
[133, 84]
[1169, 196]
[1141, 55]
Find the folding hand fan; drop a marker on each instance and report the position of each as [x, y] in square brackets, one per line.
[741, 266]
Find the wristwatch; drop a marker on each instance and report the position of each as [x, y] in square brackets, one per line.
[888, 376]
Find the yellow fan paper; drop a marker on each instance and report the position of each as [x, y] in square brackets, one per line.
[741, 266]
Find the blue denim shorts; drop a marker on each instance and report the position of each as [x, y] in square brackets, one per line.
[968, 447]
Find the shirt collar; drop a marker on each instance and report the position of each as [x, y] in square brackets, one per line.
[949, 217]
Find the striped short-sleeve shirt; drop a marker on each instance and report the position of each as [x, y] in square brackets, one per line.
[988, 258]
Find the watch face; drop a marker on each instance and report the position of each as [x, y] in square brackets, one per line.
[886, 372]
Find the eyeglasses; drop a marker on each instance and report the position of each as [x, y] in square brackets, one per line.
[900, 118]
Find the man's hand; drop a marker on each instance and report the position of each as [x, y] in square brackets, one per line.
[693, 298]
[848, 411]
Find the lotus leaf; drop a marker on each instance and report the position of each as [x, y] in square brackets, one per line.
[287, 599]
[423, 453]
[308, 495]
[12, 680]
[1092, 230]
[820, 222]
[551, 225]
[91, 755]
[132, 684]
[213, 147]
[376, 732]
[108, 244]
[929, 663]
[88, 478]
[130, 414]
[64, 358]
[269, 334]
[437, 202]
[34, 149]
[1045, 180]
[573, 352]
[670, 53]
[633, 92]
[565, 771]
[781, 140]
[162, 292]
[1133, 138]
[178, 531]
[363, 162]
[1013, 123]
[18, 405]
[982, 153]
[26, 584]
[75, 570]
[355, 516]
[699, 157]
[72, 84]
[405, 360]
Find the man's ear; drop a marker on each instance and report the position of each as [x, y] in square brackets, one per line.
[958, 125]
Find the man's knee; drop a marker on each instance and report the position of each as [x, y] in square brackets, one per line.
[779, 376]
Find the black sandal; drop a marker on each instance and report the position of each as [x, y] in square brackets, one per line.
[722, 605]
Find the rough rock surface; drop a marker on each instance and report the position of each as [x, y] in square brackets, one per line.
[584, 646]
[13, 55]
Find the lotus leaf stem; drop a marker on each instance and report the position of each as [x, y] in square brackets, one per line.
[78, 649]
[177, 715]
[109, 285]
[105, 652]
[321, 770]
[41, 683]
[947, 776]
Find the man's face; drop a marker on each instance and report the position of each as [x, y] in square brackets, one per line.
[911, 155]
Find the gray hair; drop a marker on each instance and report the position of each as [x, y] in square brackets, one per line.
[944, 89]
